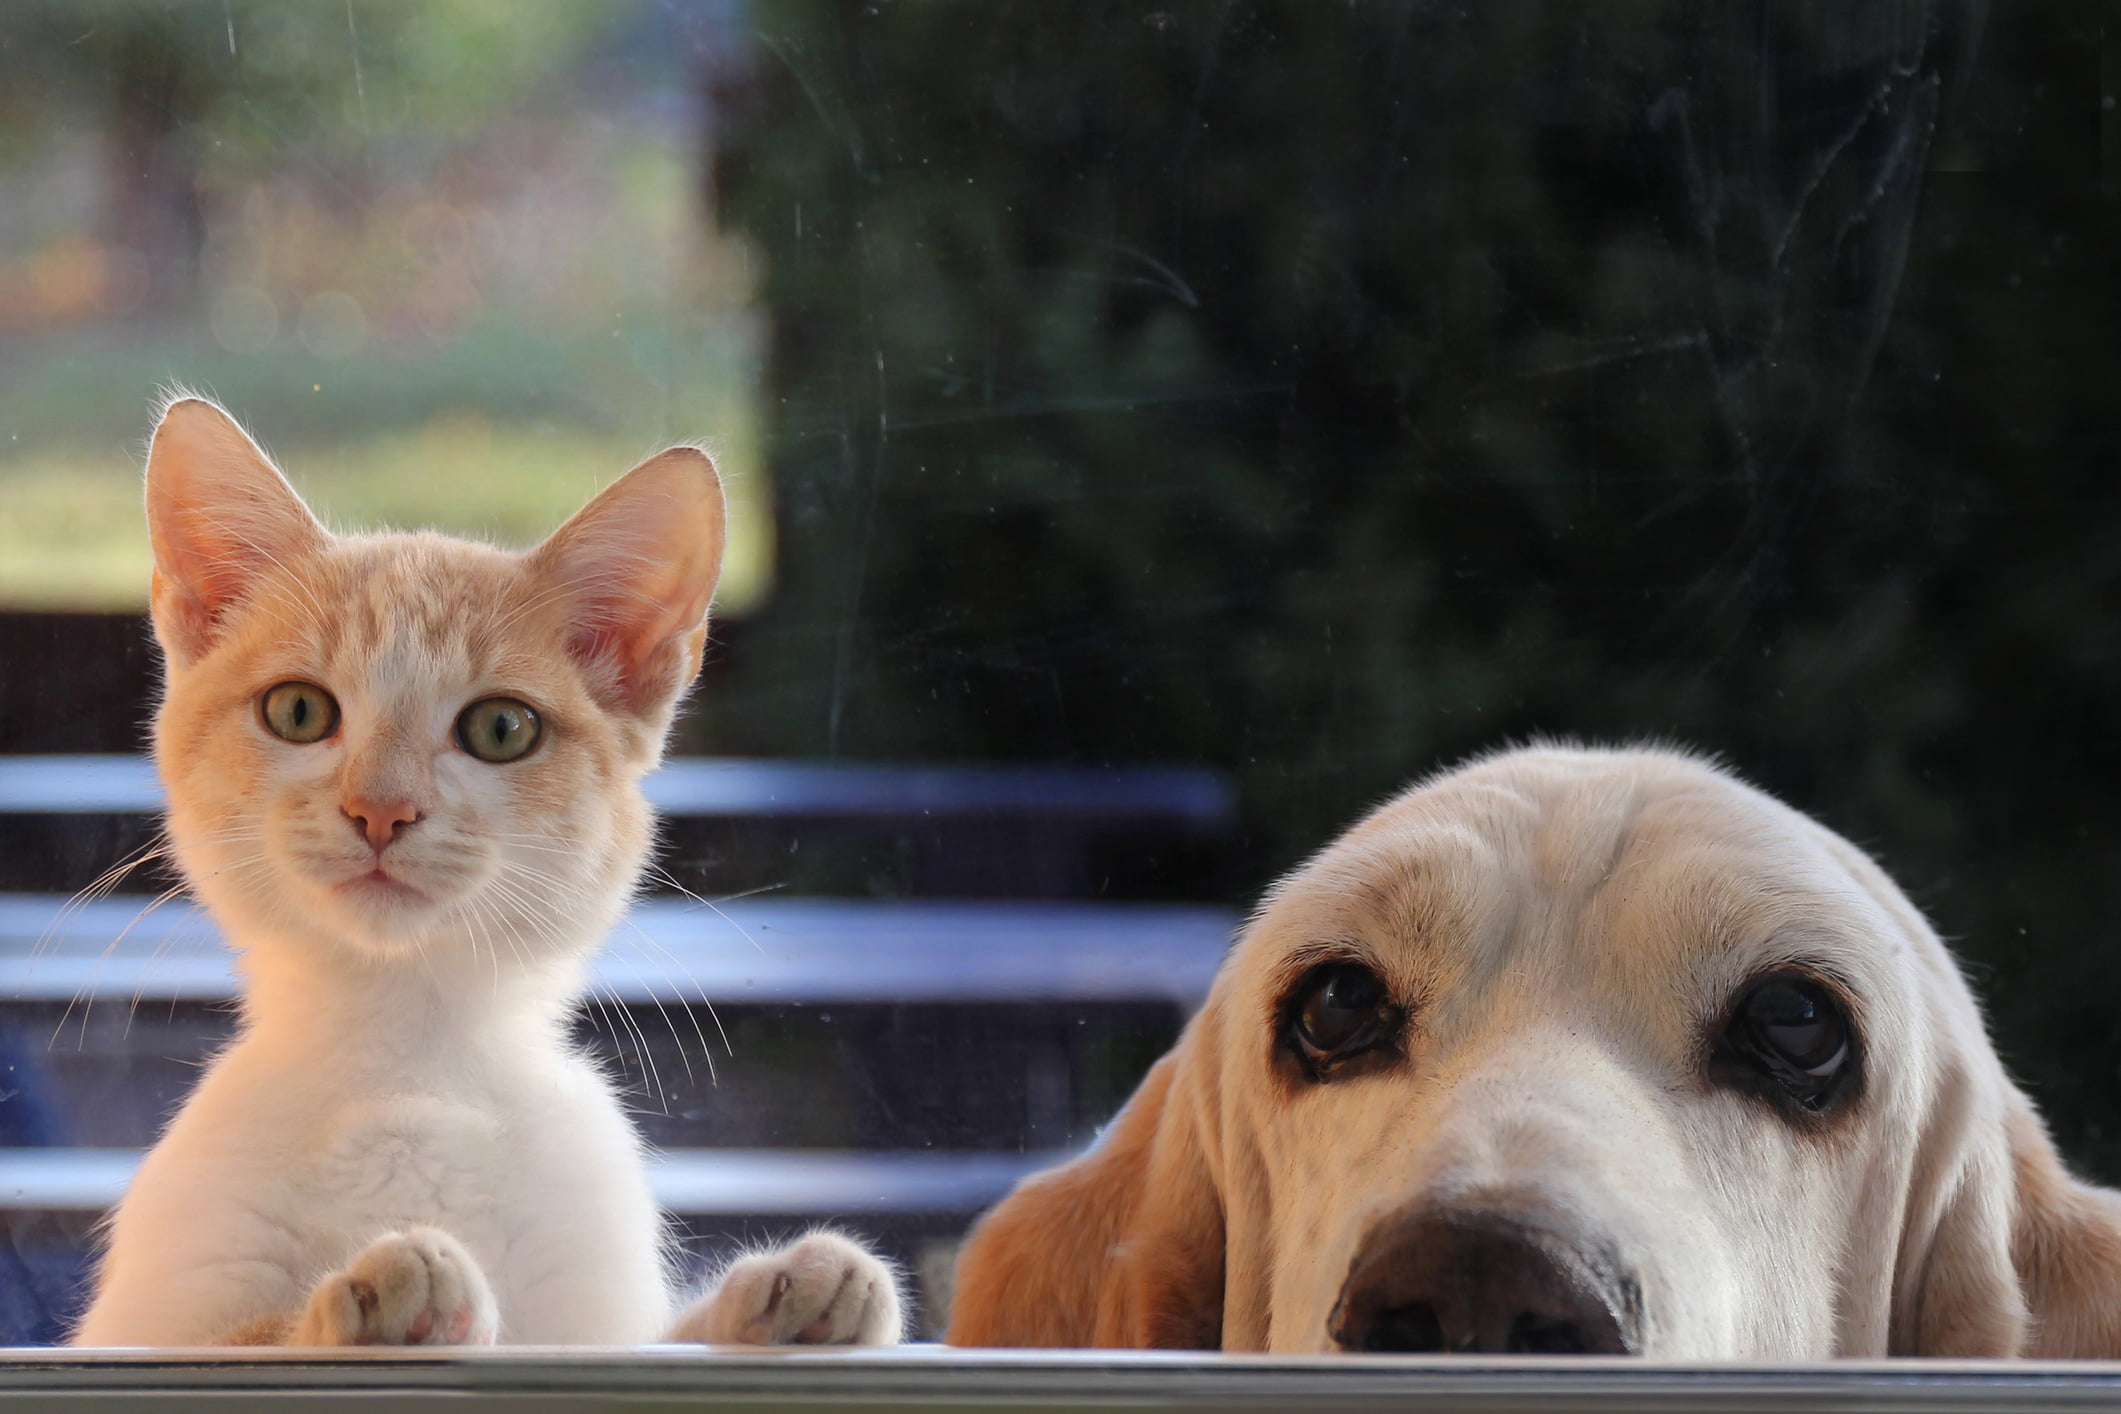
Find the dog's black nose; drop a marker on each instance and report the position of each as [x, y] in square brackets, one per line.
[1449, 1282]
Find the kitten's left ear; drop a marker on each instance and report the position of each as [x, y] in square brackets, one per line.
[220, 516]
[641, 561]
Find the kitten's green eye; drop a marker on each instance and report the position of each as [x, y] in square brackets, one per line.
[300, 712]
[498, 729]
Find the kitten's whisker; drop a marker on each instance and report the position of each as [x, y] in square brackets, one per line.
[593, 997]
[84, 995]
[712, 1014]
[658, 872]
[475, 913]
[672, 1027]
[162, 945]
[520, 878]
[524, 886]
[249, 863]
[640, 1040]
[518, 899]
[110, 878]
[546, 929]
[499, 925]
[706, 1052]
[166, 947]
[102, 887]
[550, 893]
[540, 848]
[543, 929]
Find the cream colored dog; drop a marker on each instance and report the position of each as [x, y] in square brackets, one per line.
[1570, 1050]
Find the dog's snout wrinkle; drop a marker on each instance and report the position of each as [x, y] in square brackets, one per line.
[1458, 1282]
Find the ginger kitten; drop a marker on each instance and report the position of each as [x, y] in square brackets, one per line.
[404, 775]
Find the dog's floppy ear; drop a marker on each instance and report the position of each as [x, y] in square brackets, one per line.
[2022, 1259]
[2066, 1245]
[1956, 1292]
[1121, 1247]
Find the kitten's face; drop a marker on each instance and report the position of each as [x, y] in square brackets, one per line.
[404, 743]
[387, 830]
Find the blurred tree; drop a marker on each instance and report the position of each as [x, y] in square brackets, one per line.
[1329, 391]
[181, 87]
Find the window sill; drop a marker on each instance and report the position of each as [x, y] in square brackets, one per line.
[554, 1379]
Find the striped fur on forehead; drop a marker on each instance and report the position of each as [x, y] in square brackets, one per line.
[427, 596]
[433, 620]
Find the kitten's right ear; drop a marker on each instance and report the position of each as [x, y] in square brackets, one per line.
[639, 564]
[219, 515]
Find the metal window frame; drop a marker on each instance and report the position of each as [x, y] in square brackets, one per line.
[928, 1377]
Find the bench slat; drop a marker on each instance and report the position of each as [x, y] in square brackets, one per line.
[755, 950]
[707, 786]
[691, 1182]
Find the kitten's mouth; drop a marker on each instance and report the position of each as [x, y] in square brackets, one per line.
[381, 883]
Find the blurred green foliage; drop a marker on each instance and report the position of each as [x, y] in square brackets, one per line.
[1330, 391]
[366, 228]
[244, 77]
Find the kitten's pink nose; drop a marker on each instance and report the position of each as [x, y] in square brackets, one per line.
[378, 820]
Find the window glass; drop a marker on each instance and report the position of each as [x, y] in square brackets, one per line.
[1153, 436]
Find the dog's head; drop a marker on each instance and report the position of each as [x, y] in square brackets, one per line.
[1569, 1050]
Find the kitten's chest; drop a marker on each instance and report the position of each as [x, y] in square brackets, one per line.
[367, 1144]
[414, 1158]
[490, 1157]
[547, 1191]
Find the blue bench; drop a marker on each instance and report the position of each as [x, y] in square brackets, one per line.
[671, 954]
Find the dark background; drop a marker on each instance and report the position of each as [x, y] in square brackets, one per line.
[1326, 392]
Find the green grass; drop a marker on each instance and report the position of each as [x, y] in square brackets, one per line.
[72, 534]
[501, 433]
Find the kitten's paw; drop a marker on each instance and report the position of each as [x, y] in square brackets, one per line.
[822, 1290]
[417, 1287]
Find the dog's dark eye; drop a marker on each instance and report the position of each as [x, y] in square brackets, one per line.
[1340, 1010]
[1792, 1030]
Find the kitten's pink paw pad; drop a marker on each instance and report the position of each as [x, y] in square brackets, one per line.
[418, 1287]
[823, 1290]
